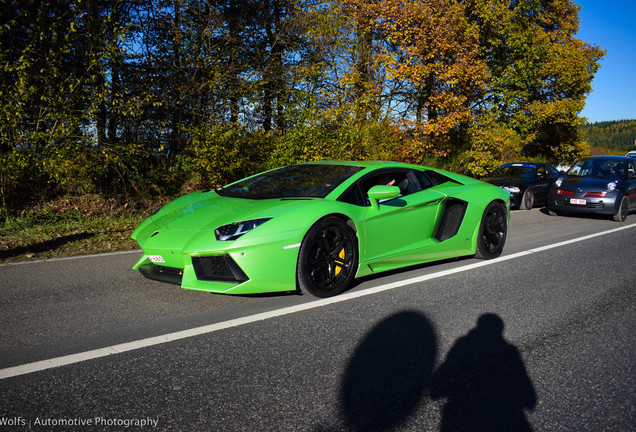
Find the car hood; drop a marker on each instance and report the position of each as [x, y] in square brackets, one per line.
[587, 183]
[505, 181]
[207, 210]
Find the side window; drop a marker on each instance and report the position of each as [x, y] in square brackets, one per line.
[542, 172]
[436, 178]
[390, 178]
[553, 172]
[423, 179]
[631, 169]
[357, 194]
[353, 196]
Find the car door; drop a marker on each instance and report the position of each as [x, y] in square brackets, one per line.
[402, 224]
[542, 183]
[631, 183]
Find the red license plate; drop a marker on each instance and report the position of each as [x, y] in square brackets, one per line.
[577, 201]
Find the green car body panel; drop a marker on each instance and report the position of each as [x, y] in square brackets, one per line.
[391, 231]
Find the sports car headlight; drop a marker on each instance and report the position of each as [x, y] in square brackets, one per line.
[235, 230]
[611, 186]
[512, 189]
[559, 182]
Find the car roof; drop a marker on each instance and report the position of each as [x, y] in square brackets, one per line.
[619, 157]
[527, 164]
[524, 164]
[365, 164]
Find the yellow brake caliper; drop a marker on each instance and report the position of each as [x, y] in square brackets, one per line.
[341, 255]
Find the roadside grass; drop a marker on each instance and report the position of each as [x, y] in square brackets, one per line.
[72, 226]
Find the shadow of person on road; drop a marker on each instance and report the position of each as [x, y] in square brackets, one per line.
[389, 373]
[484, 381]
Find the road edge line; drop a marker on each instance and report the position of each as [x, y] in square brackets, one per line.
[42, 365]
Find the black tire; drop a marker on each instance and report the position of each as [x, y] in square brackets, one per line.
[623, 209]
[527, 200]
[328, 258]
[492, 231]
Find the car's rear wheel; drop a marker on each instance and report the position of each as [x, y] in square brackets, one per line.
[328, 258]
[623, 209]
[527, 200]
[492, 231]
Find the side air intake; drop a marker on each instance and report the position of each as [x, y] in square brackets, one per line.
[451, 220]
[218, 268]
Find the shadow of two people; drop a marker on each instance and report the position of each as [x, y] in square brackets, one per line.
[483, 379]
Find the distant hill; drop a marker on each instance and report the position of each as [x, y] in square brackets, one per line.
[617, 136]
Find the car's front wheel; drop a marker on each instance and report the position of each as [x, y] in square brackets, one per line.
[527, 200]
[623, 209]
[492, 231]
[328, 258]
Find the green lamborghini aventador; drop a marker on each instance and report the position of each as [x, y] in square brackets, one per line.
[316, 226]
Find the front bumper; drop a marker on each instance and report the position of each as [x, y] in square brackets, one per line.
[238, 267]
[515, 200]
[580, 204]
[216, 268]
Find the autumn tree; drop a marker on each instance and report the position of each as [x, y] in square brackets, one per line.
[540, 76]
[433, 51]
[138, 97]
[44, 94]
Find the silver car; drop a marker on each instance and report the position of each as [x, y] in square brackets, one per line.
[599, 184]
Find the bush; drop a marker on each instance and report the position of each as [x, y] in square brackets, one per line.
[222, 155]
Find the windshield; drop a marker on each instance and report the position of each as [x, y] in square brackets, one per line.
[294, 181]
[526, 171]
[609, 168]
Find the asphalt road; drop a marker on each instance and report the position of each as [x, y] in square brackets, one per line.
[541, 339]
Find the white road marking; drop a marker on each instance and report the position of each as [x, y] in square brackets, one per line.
[198, 331]
[139, 251]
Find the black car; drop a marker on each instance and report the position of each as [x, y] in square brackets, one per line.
[528, 183]
[599, 184]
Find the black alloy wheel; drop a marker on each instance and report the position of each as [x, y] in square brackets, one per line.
[328, 258]
[492, 231]
[623, 209]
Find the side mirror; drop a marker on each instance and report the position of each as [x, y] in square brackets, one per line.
[381, 193]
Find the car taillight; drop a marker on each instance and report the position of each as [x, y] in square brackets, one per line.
[595, 194]
[564, 192]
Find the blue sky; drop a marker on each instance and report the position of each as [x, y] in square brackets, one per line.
[611, 24]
